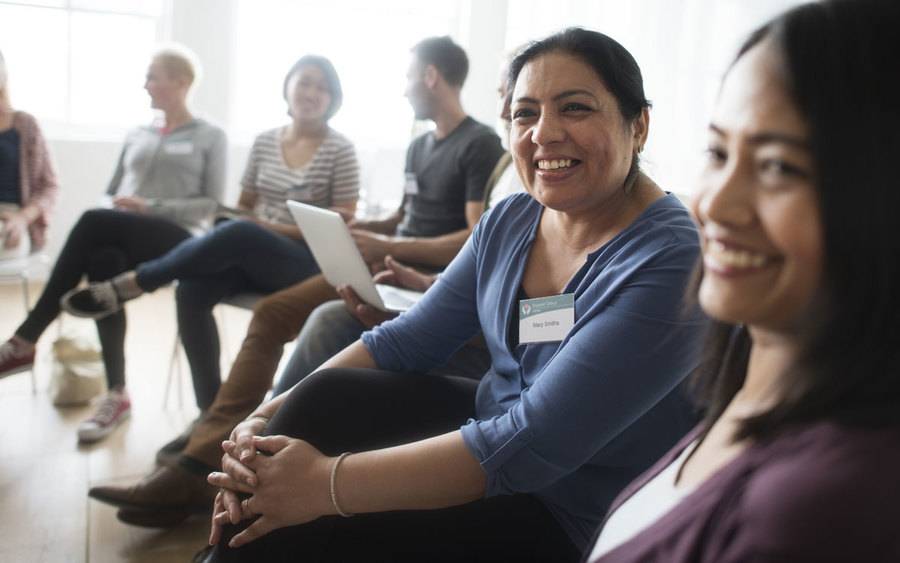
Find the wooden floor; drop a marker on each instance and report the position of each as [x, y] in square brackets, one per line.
[45, 514]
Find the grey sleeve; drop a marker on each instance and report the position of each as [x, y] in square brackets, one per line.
[116, 179]
[194, 210]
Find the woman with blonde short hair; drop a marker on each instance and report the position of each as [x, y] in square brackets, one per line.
[168, 180]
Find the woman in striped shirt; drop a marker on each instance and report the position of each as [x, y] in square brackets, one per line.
[259, 248]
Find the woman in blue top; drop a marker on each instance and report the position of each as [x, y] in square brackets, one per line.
[568, 412]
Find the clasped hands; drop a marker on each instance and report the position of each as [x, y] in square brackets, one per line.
[280, 481]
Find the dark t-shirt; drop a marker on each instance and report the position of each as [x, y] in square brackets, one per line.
[10, 190]
[442, 175]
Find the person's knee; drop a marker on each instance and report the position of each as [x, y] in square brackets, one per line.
[272, 314]
[329, 326]
[314, 399]
[331, 313]
[267, 308]
[106, 262]
[233, 232]
[91, 219]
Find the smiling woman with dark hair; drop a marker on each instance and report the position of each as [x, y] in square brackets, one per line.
[799, 454]
[576, 287]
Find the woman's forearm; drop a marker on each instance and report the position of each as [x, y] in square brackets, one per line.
[429, 474]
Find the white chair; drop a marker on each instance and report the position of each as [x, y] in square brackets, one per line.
[246, 300]
[20, 270]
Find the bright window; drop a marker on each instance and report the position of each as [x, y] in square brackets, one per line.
[80, 63]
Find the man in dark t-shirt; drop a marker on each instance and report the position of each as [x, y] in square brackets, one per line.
[442, 175]
[446, 169]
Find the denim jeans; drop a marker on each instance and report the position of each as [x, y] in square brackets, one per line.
[234, 257]
[331, 328]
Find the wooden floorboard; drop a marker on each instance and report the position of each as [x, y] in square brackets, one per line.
[45, 514]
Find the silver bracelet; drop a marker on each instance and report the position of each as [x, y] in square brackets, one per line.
[334, 501]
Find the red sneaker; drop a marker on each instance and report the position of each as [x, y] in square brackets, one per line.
[13, 359]
[114, 409]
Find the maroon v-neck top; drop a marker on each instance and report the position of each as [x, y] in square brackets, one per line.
[823, 492]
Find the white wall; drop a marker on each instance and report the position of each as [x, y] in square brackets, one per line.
[681, 45]
[485, 43]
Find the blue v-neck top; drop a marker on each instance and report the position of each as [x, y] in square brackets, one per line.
[571, 422]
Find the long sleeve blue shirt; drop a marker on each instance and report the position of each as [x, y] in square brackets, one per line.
[571, 422]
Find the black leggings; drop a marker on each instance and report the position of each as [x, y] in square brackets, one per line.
[358, 410]
[102, 244]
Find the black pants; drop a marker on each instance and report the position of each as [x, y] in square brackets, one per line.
[358, 410]
[102, 244]
[233, 257]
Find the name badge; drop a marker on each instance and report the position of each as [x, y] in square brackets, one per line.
[179, 147]
[411, 187]
[546, 319]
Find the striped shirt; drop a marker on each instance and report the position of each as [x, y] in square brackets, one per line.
[330, 178]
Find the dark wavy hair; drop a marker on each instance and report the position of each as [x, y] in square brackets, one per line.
[331, 78]
[612, 62]
[834, 59]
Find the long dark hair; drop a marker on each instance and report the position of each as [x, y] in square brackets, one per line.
[835, 58]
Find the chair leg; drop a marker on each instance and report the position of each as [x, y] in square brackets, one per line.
[26, 302]
[225, 349]
[26, 297]
[174, 373]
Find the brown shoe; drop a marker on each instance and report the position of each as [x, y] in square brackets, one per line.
[171, 452]
[154, 517]
[168, 489]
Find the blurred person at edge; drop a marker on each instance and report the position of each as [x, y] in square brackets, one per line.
[798, 457]
[28, 185]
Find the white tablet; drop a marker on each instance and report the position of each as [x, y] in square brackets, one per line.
[330, 242]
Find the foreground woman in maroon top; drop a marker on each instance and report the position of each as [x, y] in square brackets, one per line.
[799, 456]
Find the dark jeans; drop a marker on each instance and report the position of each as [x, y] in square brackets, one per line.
[103, 243]
[234, 257]
[358, 410]
[331, 328]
